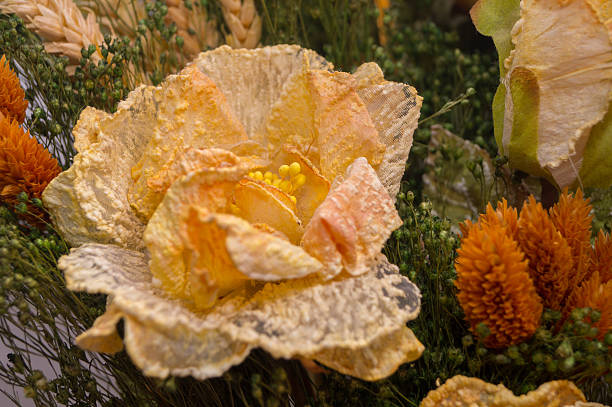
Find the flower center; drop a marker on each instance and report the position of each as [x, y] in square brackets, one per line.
[288, 179]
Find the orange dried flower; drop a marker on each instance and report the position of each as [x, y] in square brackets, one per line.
[501, 216]
[25, 165]
[12, 97]
[596, 294]
[551, 265]
[495, 288]
[601, 256]
[571, 216]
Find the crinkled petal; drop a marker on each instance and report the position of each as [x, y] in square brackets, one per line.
[395, 109]
[461, 391]
[321, 113]
[288, 319]
[103, 336]
[224, 251]
[162, 335]
[252, 79]
[378, 360]
[88, 202]
[209, 188]
[258, 202]
[87, 129]
[350, 227]
[194, 115]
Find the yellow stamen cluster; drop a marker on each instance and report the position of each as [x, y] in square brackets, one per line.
[288, 179]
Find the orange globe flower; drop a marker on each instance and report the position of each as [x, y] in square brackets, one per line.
[12, 97]
[25, 165]
[571, 216]
[495, 288]
[550, 258]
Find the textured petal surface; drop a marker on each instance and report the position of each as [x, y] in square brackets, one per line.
[209, 188]
[223, 251]
[289, 319]
[195, 115]
[245, 76]
[376, 361]
[395, 109]
[88, 202]
[351, 226]
[568, 49]
[461, 391]
[258, 202]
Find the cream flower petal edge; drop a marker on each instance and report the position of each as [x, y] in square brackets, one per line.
[347, 323]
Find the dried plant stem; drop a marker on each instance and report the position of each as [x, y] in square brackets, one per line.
[243, 22]
[59, 23]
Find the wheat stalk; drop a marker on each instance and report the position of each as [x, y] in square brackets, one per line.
[193, 26]
[59, 23]
[243, 22]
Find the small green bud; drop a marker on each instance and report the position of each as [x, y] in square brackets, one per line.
[608, 339]
[482, 330]
[567, 364]
[565, 349]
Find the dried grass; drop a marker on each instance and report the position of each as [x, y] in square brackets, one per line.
[59, 23]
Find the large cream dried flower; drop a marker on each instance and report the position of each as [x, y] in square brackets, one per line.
[244, 203]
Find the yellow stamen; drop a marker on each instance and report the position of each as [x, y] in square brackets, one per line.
[283, 170]
[294, 169]
[268, 175]
[285, 186]
[293, 198]
[300, 179]
[258, 175]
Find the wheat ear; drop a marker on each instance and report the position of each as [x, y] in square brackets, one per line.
[193, 26]
[243, 21]
[59, 23]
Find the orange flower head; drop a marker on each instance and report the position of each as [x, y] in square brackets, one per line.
[571, 216]
[495, 288]
[12, 97]
[551, 265]
[25, 165]
[596, 294]
[601, 256]
[502, 216]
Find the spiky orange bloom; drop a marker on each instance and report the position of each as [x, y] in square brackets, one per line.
[502, 216]
[551, 265]
[25, 165]
[601, 256]
[571, 216]
[495, 288]
[12, 97]
[596, 294]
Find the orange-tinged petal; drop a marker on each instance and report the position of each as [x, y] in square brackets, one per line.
[210, 188]
[258, 202]
[351, 226]
[345, 129]
[201, 118]
[224, 251]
